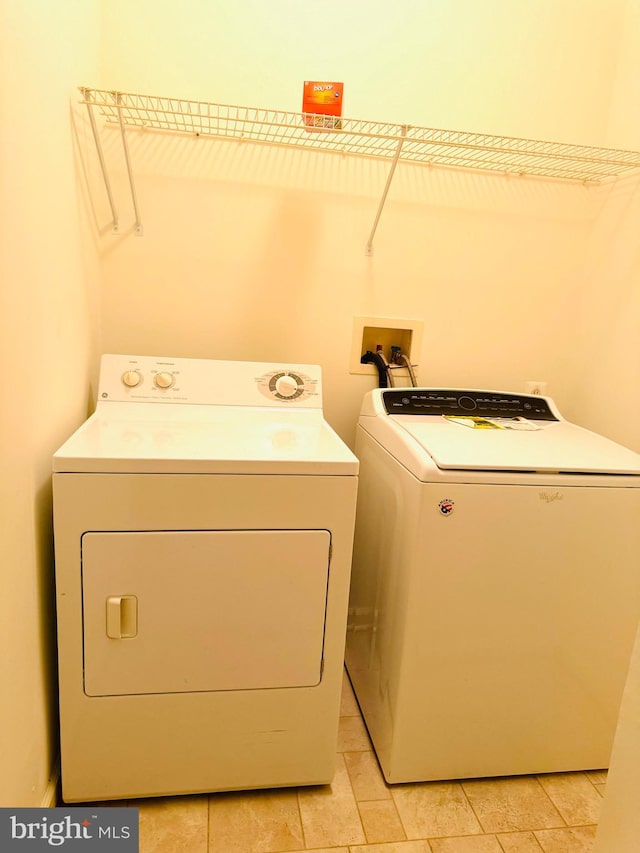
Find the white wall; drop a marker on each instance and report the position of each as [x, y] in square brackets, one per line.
[254, 252]
[258, 253]
[538, 69]
[47, 336]
[606, 388]
[611, 317]
[619, 826]
[261, 255]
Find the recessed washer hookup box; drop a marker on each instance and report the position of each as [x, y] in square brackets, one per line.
[322, 105]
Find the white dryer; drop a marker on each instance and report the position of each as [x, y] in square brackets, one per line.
[203, 522]
[495, 584]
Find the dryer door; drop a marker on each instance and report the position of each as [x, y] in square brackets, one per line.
[184, 611]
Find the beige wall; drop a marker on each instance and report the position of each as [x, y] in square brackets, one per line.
[47, 335]
[619, 827]
[253, 252]
[258, 253]
[261, 255]
[540, 69]
[610, 318]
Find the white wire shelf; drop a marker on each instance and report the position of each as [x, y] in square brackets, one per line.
[375, 139]
[394, 142]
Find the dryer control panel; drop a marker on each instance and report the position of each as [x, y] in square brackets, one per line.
[286, 385]
[150, 379]
[486, 404]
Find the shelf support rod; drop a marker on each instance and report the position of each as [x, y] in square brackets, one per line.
[103, 166]
[403, 133]
[125, 146]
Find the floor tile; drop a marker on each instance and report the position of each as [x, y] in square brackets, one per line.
[470, 844]
[325, 850]
[574, 796]
[348, 704]
[518, 803]
[575, 840]
[366, 777]
[360, 813]
[329, 813]
[434, 809]
[255, 822]
[179, 824]
[519, 842]
[393, 847]
[380, 821]
[352, 735]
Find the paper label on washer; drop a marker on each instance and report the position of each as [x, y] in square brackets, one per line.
[518, 423]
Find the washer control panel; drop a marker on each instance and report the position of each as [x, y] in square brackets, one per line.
[486, 404]
[147, 379]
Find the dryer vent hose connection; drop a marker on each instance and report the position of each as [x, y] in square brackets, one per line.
[385, 375]
[380, 362]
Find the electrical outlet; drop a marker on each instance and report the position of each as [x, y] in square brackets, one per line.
[536, 387]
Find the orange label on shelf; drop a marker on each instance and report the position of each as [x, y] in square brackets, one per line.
[322, 104]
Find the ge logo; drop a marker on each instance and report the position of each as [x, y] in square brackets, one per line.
[445, 507]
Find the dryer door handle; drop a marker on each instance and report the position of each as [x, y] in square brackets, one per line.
[122, 617]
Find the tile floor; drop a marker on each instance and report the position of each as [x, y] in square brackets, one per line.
[359, 813]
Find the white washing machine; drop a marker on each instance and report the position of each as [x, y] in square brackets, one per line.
[495, 584]
[203, 522]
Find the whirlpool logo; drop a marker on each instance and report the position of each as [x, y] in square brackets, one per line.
[550, 497]
[71, 829]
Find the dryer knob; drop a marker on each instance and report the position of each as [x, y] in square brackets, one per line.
[287, 385]
[163, 380]
[131, 378]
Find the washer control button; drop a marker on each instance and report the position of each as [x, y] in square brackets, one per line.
[163, 380]
[467, 403]
[131, 378]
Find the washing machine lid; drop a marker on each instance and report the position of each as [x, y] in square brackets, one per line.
[132, 438]
[553, 447]
[477, 430]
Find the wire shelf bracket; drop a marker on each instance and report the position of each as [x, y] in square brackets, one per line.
[90, 102]
[385, 192]
[506, 155]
